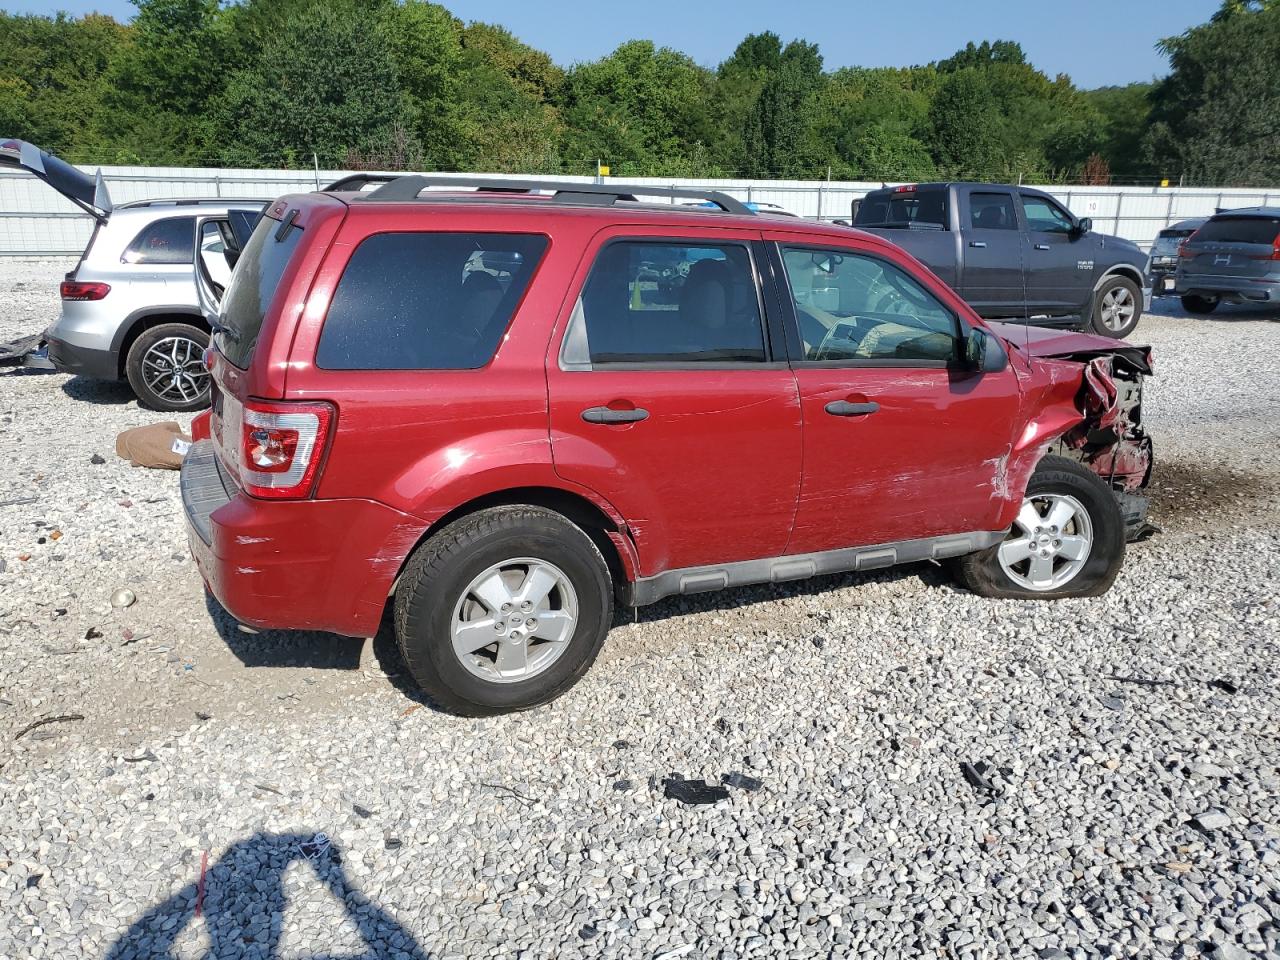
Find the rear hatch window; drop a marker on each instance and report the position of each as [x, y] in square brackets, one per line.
[253, 284]
[1261, 230]
[912, 209]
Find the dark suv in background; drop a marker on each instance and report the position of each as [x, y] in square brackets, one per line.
[1234, 257]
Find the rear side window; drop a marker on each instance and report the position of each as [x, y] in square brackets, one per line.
[427, 301]
[992, 211]
[248, 295]
[917, 210]
[1239, 230]
[171, 240]
[668, 302]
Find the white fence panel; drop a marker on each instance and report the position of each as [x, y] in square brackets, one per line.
[36, 221]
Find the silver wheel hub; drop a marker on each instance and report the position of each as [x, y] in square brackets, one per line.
[514, 620]
[173, 369]
[1049, 543]
[1118, 307]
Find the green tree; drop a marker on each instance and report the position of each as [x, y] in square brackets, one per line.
[1125, 114]
[965, 122]
[641, 109]
[1216, 117]
[775, 129]
[323, 84]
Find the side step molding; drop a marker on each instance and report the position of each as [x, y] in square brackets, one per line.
[802, 566]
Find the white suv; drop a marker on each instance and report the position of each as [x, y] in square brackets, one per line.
[130, 310]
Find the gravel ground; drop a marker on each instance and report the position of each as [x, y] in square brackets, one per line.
[1112, 818]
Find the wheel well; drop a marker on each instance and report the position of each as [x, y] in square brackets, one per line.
[593, 521]
[1123, 270]
[142, 324]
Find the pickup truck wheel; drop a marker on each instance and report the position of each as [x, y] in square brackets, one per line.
[1193, 303]
[165, 367]
[503, 610]
[1068, 540]
[1117, 307]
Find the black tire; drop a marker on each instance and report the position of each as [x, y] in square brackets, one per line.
[437, 576]
[1097, 320]
[1194, 303]
[982, 572]
[195, 379]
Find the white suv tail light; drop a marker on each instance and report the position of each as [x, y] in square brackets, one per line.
[281, 445]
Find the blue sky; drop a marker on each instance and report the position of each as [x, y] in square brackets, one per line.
[1097, 42]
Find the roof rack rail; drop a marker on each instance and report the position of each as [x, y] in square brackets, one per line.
[189, 202]
[358, 181]
[582, 194]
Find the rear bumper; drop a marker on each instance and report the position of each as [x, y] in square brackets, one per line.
[83, 361]
[292, 565]
[1232, 289]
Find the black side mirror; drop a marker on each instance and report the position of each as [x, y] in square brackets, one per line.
[984, 352]
[1083, 226]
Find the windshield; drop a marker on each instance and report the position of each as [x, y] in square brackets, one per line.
[253, 283]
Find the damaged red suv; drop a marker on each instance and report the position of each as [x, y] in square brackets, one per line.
[496, 408]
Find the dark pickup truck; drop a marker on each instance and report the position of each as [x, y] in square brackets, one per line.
[1014, 253]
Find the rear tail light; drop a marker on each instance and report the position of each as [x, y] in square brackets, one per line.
[75, 290]
[1275, 250]
[280, 447]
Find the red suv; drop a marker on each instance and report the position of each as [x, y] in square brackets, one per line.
[500, 407]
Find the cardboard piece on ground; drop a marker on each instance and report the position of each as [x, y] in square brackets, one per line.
[153, 445]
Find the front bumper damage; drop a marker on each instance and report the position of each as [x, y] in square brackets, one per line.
[1110, 439]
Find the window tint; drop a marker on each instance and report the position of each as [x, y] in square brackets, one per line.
[1239, 230]
[920, 210]
[854, 307]
[1044, 217]
[248, 295]
[426, 301]
[171, 240]
[668, 302]
[992, 211]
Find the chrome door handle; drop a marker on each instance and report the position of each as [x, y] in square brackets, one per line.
[980, 244]
[1042, 246]
[846, 408]
[609, 415]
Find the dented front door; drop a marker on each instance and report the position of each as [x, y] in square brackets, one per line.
[901, 440]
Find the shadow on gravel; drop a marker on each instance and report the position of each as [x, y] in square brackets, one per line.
[1182, 492]
[111, 392]
[1226, 313]
[243, 900]
[284, 648]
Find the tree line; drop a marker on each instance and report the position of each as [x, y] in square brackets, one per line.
[403, 84]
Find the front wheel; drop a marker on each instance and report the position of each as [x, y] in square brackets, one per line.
[1117, 307]
[1194, 303]
[502, 610]
[1067, 541]
[165, 367]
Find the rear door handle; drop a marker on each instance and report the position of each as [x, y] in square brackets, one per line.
[1042, 246]
[846, 408]
[980, 244]
[610, 415]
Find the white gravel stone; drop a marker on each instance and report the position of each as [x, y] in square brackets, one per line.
[853, 698]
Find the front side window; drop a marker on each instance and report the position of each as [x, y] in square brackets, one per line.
[171, 240]
[1045, 217]
[854, 307]
[427, 301]
[668, 302]
[992, 211]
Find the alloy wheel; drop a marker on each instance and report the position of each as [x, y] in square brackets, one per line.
[173, 369]
[1049, 544]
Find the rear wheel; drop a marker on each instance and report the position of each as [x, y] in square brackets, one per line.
[1194, 303]
[503, 610]
[1067, 541]
[1117, 307]
[165, 367]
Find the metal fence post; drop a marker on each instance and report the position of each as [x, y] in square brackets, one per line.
[819, 201]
